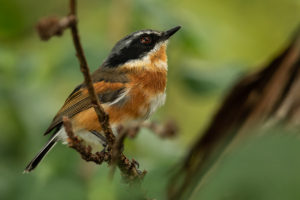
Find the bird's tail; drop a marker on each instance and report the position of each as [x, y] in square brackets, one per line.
[37, 159]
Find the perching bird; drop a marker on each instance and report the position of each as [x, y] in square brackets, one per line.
[130, 84]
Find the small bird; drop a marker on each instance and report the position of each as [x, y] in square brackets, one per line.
[130, 84]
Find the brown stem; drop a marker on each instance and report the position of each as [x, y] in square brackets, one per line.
[53, 26]
[85, 152]
[102, 116]
[128, 168]
[168, 129]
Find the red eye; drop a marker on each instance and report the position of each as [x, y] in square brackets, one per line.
[145, 40]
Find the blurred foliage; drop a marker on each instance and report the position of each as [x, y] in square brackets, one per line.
[219, 41]
[201, 81]
[261, 169]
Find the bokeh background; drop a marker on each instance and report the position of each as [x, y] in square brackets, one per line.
[220, 41]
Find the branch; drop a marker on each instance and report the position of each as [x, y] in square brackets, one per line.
[85, 152]
[53, 26]
[129, 169]
[168, 129]
[102, 116]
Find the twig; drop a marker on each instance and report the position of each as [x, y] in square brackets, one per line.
[117, 149]
[118, 146]
[102, 116]
[85, 152]
[129, 170]
[168, 129]
[51, 27]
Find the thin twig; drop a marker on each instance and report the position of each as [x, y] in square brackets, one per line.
[102, 116]
[51, 27]
[85, 152]
[128, 169]
[117, 149]
[168, 129]
[113, 155]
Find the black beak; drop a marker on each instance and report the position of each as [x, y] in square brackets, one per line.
[167, 34]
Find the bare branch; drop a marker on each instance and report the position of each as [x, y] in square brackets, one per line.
[128, 168]
[102, 116]
[85, 152]
[52, 26]
[168, 129]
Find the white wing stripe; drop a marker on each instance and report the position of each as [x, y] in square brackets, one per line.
[119, 98]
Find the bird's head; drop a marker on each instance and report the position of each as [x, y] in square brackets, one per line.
[140, 49]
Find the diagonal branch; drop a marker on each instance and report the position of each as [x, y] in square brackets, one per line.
[51, 26]
[102, 116]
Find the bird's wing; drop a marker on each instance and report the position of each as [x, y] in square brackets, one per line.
[78, 100]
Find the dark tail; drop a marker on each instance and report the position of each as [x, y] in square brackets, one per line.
[37, 159]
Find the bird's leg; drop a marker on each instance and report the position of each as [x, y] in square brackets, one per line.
[101, 137]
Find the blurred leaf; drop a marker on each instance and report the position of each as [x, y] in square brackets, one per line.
[264, 168]
[209, 80]
[11, 19]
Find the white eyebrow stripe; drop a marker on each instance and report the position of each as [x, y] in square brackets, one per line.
[138, 34]
[146, 32]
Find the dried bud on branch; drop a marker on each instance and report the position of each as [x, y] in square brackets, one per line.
[53, 26]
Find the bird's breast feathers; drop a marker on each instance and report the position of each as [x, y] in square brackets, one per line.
[144, 94]
[155, 102]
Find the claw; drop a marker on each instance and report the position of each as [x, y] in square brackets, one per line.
[136, 164]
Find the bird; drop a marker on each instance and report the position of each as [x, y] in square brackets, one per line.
[130, 84]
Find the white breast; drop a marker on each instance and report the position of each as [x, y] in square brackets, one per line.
[156, 102]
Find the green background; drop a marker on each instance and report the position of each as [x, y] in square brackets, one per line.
[220, 41]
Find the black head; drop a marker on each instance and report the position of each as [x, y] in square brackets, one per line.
[136, 46]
